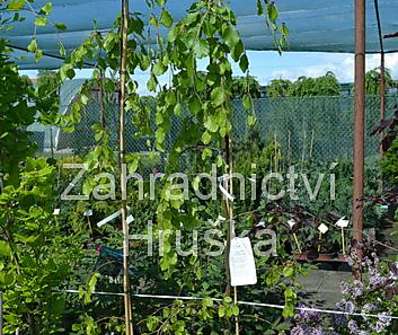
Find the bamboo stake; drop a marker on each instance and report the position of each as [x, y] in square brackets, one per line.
[228, 208]
[123, 173]
[312, 143]
[289, 148]
[101, 97]
[343, 241]
[1, 313]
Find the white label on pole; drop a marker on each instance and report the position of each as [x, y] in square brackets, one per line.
[88, 212]
[241, 262]
[342, 222]
[323, 228]
[291, 223]
[130, 219]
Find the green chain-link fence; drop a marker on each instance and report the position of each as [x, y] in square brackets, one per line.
[320, 128]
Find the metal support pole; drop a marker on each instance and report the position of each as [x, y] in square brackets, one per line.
[359, 134]
[123, 173]
[382, 70]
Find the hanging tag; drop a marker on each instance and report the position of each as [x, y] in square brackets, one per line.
[241, 262]
[129, 219]
[342, 222]
[323, 228]
[57, 211]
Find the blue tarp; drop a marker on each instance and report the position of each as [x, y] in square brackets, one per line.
[314, 25]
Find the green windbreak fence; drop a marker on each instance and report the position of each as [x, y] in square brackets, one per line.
[319, 128]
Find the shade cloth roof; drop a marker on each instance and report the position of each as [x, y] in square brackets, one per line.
[314, 25]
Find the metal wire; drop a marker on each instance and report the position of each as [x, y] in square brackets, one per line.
[243, 303]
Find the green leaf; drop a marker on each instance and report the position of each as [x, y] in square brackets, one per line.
[244, 63]
[47, 8]
[206, 153]
[230, 36]
[195, 105]
[152, 83]
[32, 47]
[60, 26]
[218, 97]
[145, 62]
[247, 102]
[201, 48]
[206, 137]
[251, 120]
[288, 271]
[166, 19]
[4, 249]
[158, 69]
[41, 21]
[211, 124]
[272, 12]
[16, 4]
[235, 310]
[84, 99]
[152, 323]
[284, 30]
[177, 109]
[153, 21]
[260, 8]
[62, 50]
[221, 311]
[38, 55]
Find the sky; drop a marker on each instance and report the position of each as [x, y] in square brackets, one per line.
[268, 65]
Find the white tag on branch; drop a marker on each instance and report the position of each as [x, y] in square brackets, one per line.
[57, 211]
[291, 223]
[130, 219]
[323, 228]
[342, 222]
[88, 212]
[241, 262]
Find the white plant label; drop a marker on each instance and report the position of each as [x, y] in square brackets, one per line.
[88, 212]
[261, 224]
[342, 222]
[323, 228]
[241, 262]
[57, 211]
[291, 223]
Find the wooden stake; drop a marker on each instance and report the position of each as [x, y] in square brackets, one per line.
[343, 241]
[359, 134]
[123, 173]
[1, 313]
[297, 243]
[228, 209]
